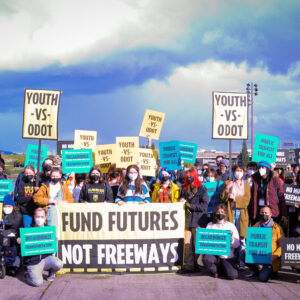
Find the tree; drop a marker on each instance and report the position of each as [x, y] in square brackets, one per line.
[244, 156]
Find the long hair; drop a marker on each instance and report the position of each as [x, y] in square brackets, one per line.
[138, 182]
[113, 169]
[166, 170]
[192, 172]
[97, 169]
[219, 206]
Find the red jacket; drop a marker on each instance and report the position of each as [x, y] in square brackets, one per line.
[274, 186]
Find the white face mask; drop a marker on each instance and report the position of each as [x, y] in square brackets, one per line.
[250, 172]
[238, 175]
[39, 221]
[132, 177]
[211, 179]
[262, 171]
[7, 210]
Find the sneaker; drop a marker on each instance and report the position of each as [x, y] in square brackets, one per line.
[251, 275]
[51, 276]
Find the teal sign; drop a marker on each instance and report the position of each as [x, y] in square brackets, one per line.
[169, 155]
[188, 151]
[259, 245]
[38, 240]
[32, 156]
[214, 190]
[265, 148]
[213, 241]
[78, 161]
[6, 187]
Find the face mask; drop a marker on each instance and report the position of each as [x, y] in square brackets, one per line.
[39, 221]
[165, 178]
[55, 180]
[28, 178]
[95, 177]
[114, 174]
[190, 179]
[7, 210]
[47, 168]
[210, 179]
[220, 217]
[132, 177]
[264, 218]
[262, 172]
[238, 175]
[250, 172]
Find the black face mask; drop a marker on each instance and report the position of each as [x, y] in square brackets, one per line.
[95, 177]
[264, 218]
[165, 178]
[190, 179]
[220, 217]
[28, 178]
[55, 180]
[114, 174]
[47, 168]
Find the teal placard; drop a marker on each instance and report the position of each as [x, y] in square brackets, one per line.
[6, 187]
[265, 148]
[32, 156]
[38, 240]
[77, 160]
[169, 155]
[259, 245]
[214, 190]
[213, 241]
[188, 151]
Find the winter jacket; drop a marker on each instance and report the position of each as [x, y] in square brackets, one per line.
[96, 192]
[274, 196]
[175, 192]
[196, 208]
[25, 197]
[13, 222]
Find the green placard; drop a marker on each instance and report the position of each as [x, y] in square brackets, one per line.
[38, 240]
[32, 156]
[6, 187]
[78, 161]
[265, 148]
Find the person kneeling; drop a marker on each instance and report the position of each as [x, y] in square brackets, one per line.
[38, 263]
[221, 264]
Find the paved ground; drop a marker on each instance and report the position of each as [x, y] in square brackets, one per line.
[153, 286]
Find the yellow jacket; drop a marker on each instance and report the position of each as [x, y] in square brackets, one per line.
[175, 191]
[277, 235]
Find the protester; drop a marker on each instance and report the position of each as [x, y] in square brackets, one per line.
[210, 175]
[267, 190]
[96, 189]
[179, 177]
[218, 159]
[266, 221]
[79, 182]
[222, 172]
[133, 189]
[114, 178]
[165, 191]
[50, 194]
[223, 265]
[45, 176]
[11, 215]
[36, 264]
[202, 172]
[26, 191]
[195, 197]
[280, 172]
[251, 169]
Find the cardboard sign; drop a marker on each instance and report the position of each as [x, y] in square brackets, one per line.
[230, 116]
[78, 161]
[147, 162]
[40, 114]
[213, 241]
[188, 151]
[38, 240]
[64, 145]
[169, 155]
[290, 252]
[258, 245]
[214, 190]
[105, 155]
[85, 139]
[282, 158]
[127, 150]
[291, 194]
[6, 187]
[265, 148]
[32, 156]
[152, 124]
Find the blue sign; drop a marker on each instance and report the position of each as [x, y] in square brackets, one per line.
[214, 190]
[213, 241]
[169, 155]
[6, 187]
[265, 148]
[78, 161]
[188, 151]
[32, 156]
[259, 245]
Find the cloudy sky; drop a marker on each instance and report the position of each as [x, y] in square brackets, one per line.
[113, 59]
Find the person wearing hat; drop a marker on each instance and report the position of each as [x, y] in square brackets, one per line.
[267, 190]
[222, 172]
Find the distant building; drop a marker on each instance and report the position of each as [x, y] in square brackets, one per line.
[209, 157]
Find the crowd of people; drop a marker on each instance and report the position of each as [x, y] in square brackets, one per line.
[251, 196]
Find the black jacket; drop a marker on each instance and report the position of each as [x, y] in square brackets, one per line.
[196, 208]
[13, 222]
[96, 192]
[25, 197]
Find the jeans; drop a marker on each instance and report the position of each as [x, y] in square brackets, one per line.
[35, 272]
[27, 220]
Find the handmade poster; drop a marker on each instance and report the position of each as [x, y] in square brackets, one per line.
[6, 187]
[147, 162]
[127, 151]
[77, 160]
[64, 145]
[188, 151]
[85, 139]
[290, 252]
[291, 194]
[105, 155]
[170, 155]
[32, 156]
[265, 148]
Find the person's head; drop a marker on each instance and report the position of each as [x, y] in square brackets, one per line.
[238, 172]
[39, 217]
[80, 179]
[47, 166]
[165, 174]
[264, 169]
[289, 178]
[29, 173]
[205, 167]
[132, 173]
[191, 178]
[132, 176]
[223, 166]
[8, 204]
[55, 175]
[265, 214]
[114, 174]
[296, 169]
[211, 175]
[218, 159]
[251, 168]
[95, 175]
[220, 213]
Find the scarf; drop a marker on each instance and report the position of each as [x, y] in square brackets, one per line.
[164, 194]
[191, 193]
